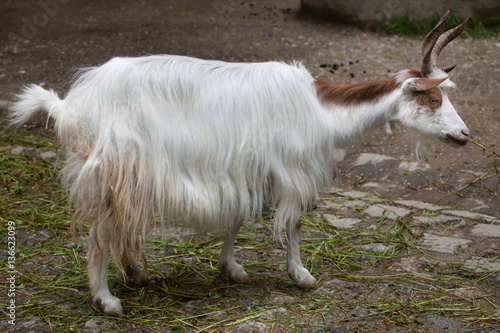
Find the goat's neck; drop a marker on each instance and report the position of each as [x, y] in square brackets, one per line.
[355, 109]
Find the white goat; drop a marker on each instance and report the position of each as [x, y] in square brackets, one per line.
[172, 138]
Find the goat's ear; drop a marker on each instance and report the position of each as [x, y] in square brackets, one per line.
[422, 83]
[449, 69]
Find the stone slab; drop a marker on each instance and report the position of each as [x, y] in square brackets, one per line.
[473, 216]
[373, 166]
[408, 265]
[366, 158]
[486, 230]
[430, 220]
[443, 244]
[419, 205]
[412, 166]
[352, 194]
[22, 150]
[374, 211]
[346, 223]
[391, 211]
[329, 204]
[273, 313]
[49, 155]
[385, 189]
[480, 265]
[252, 326]
[354, 204]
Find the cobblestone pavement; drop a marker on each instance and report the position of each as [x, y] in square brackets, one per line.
[457, 212]
[449, 232]
[395, 179]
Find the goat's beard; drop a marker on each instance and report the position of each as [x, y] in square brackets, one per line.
[422, 147]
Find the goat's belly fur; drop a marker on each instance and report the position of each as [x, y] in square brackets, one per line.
[203, 142]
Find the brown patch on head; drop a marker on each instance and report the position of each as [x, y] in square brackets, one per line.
[409, 74]
[367, 92]
[432, 98]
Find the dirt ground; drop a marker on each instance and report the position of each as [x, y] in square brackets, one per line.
[47, 45]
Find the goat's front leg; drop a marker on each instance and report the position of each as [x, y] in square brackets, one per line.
[295, 269]
[98, 254]
[233, 271]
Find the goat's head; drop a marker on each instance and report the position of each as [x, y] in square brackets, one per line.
[428, 108]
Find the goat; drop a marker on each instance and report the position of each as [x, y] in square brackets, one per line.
[170, 138]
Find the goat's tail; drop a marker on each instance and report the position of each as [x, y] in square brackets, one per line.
[32, 99]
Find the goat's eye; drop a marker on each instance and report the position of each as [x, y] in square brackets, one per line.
[433, 101]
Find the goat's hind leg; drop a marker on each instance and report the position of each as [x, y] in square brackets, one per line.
[233, 271]
[296, 271]
[98, 254]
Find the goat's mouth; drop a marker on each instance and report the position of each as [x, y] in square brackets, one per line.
[456, 141]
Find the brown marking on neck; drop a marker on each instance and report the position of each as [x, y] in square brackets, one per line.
[366, 92]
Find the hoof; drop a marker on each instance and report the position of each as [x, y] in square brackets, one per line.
[239, 277]
[110, 306]
[309, 283]
[303, 278]
[235, 273]
[140, 279]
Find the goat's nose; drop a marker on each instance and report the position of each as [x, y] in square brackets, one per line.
[466, 132]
